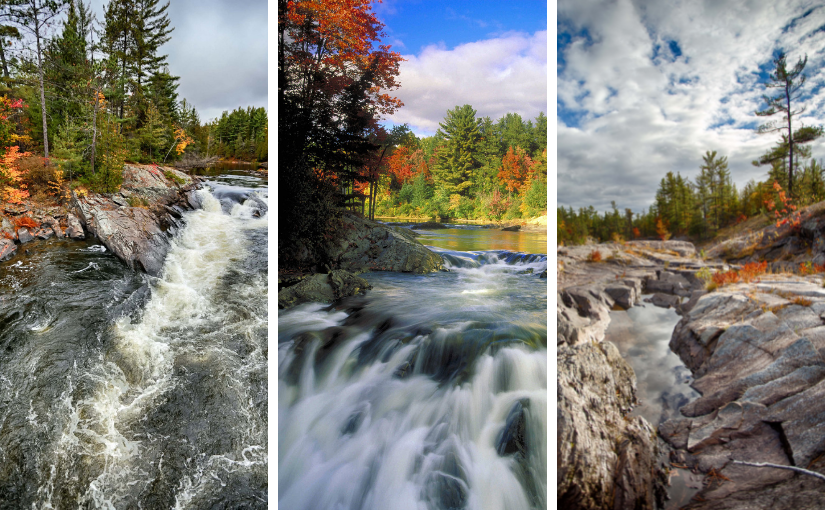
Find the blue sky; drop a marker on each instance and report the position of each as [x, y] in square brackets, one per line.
[646, 87]
[489, 54]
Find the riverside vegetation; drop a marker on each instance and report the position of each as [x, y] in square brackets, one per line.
[409, 376]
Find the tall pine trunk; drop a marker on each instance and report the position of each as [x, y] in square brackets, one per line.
[42, 89]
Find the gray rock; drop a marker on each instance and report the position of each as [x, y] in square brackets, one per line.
[75, 229]
[606, 458]
[7, 249]
[323, 288]
[664, 301]
[366, 245]
[624, 296]
[24, 235]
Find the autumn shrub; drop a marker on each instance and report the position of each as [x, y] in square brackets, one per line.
[594, 256]
[725, 278]
[752, 270]
[801, 301]
[808, 268]
[37, 173]
[25, 222]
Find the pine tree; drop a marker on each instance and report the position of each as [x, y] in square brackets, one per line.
[790, 84]
[457, 161]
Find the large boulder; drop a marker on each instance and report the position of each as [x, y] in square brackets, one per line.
[362, 245]
[7, 248]
[136, 235]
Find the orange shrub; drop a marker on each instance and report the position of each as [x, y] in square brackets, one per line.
[26, 222]
[725, 278]
[595, 256]
[752, 270]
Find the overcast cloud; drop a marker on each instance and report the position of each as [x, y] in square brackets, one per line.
[219, 51]
[495, 76]
[646, 87]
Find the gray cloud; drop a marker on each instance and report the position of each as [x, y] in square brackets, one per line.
[646, 109]
[219, 51]
[495, 76]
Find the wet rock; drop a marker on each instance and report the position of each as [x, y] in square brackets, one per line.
[365, 245]
[323, 288]
[512, 439]
[7, 249]
[75, 229]
[44, 232]
[664, 301]
[513, 228]
[624, 296]
[24, 235]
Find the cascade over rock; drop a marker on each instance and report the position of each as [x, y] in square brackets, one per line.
[137, 234]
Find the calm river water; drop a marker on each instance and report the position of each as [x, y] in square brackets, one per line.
[409, 397]
[118, 390]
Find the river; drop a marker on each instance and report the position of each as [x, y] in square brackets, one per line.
[429, 392]
[119, 390]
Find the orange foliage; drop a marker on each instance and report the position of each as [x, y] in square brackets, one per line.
[12, 189]
[788, 212]
[25, 222]
[335, 39]
[636, 232]
[752, 270]
[515, 168]
[725, 278]
[661, 230]
[807, 268]
[594, 256]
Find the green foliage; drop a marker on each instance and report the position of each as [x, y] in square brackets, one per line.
[457, 161]
[180, 181]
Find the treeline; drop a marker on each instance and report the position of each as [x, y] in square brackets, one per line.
[98, 93]
[471, 168]
[698, 209]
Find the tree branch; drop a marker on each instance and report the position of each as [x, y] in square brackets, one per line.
[779, 466]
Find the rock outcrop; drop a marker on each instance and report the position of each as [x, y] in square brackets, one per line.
[323, 288]
[134, 223]
[607, 459]
[369, 246]
[757, 352]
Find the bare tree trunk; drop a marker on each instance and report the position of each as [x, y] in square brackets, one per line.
[40, 74]
[3, 58]
[94, 132]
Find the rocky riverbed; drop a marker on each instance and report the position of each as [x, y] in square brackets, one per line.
[135, 224]
[757, 354]
[361, 245]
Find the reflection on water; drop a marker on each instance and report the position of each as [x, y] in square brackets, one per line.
[473, 238]
[642, 335]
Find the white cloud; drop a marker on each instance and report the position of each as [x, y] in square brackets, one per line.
[646, 110]
[495, 76]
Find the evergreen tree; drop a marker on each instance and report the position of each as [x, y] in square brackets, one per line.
[457, 161]
[790, 84]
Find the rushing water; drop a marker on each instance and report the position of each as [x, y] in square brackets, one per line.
[118, 390]
[403, 398]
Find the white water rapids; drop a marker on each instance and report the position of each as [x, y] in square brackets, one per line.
[402, 399]
[169, 409]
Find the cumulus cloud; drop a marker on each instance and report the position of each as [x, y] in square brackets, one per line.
[495, 76]
[647, 87]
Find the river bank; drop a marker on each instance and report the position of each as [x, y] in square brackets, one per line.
[754, 356]
[119, 389]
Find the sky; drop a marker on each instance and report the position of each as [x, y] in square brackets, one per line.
[489, 54]
[219, 51]
[646, 87]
